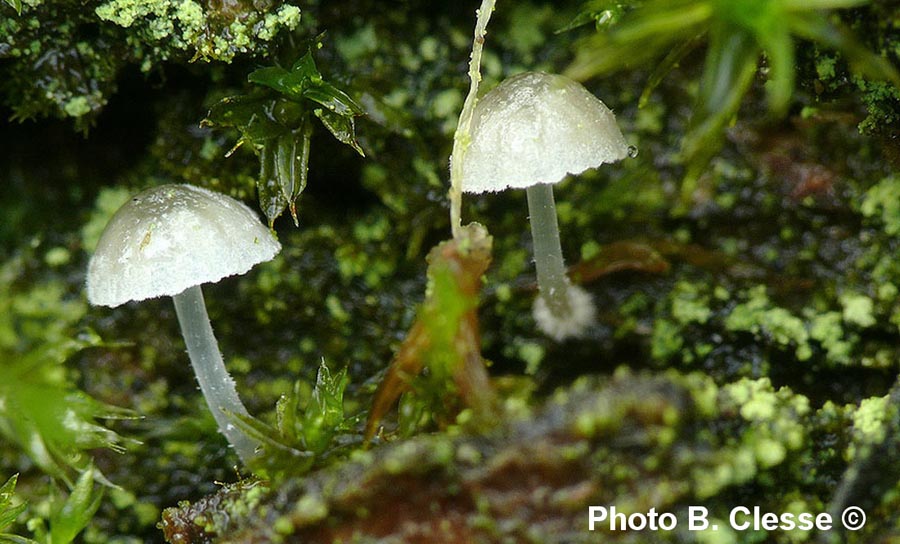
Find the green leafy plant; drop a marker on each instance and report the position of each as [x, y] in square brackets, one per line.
[602, 13]
[40, 410]
[16, 4]
[275, 119]
[738, 33]
[70, 514]
[9, 512]
[302, 437]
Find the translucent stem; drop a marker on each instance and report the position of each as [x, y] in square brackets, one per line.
[215, 382]
[548, 259]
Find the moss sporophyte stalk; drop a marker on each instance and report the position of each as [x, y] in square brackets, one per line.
[445, 337]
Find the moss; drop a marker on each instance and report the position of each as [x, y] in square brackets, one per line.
[825, 66]
[881, 101]
[666, 340]
[869, 420]
[362, 42]
[705, 455]
[77, 106]
[759, 317]
[827, 329]
[725, 534]
[532, 354]
[108, 201]
[528, 29]
[882, 203]
[858, 309]
[57, 256]
[309, 509]
[689, 305]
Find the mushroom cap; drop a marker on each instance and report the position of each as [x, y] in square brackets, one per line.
[537, 128]
[172, 237]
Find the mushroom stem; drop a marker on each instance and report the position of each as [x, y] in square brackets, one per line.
[548, 258]
[215, 382]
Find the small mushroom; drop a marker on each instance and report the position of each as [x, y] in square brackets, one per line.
[530, 132]
[167, 241]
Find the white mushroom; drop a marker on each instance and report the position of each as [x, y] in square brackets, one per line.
[530, 132]
[167, 241]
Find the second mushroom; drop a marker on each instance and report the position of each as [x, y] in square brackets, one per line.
[530, 132]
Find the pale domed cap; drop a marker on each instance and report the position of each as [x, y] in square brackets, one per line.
[537, 128]
[172, 237]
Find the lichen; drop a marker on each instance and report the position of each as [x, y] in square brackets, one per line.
[167, 26]
[67, 57]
